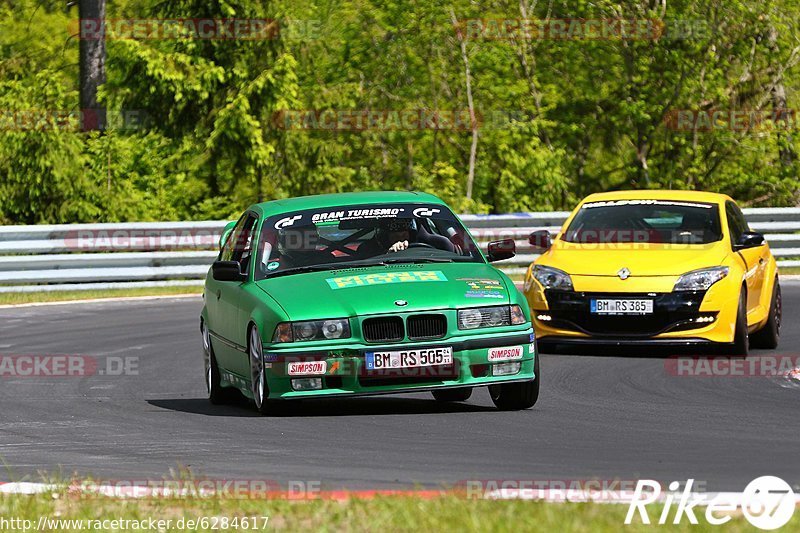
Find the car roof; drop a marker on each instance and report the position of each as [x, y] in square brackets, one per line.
[658, 194]
[323, 201]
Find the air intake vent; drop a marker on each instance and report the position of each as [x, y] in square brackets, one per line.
[383, 329]
[427, 327]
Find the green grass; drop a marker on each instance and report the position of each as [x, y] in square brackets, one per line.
[386, 513]
[58, 296]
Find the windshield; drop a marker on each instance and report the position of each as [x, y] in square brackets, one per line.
[362, 235]
[645, 221]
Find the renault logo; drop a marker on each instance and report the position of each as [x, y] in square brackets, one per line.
[624, 273]
[400, 303]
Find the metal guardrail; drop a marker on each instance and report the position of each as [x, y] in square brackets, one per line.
[149, 254]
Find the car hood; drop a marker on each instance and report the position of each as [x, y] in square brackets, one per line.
[372, 290]
[641, 259]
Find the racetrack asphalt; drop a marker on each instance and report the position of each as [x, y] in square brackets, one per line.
[612, 416]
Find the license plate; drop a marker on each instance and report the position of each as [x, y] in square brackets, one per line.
[409, 358]
[622, 307]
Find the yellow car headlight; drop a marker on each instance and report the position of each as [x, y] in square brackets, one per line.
[552, 278]
[700, 280]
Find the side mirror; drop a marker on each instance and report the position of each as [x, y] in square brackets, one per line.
[540, 240]
[227, 271]
[499, 250]
[749, 239]
[226, 233]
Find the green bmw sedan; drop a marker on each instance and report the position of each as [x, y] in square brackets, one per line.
[363, 294]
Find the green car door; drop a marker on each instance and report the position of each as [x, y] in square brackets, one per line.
[225, 299]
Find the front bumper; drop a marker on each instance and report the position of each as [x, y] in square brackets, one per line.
[678, 319]
[551, 340]
[346, 373]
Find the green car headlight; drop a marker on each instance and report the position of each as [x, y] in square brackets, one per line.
[552, 278]
[490, 317]
[312, 330]
[700, 280]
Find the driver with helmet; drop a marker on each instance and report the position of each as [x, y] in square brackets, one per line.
[391, 235]
[397, 234]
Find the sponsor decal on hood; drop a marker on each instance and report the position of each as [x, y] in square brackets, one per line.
[385, 278]
[484, 288]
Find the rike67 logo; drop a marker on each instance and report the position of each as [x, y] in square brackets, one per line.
[767, 502]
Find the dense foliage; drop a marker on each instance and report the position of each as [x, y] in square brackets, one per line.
[198, 127]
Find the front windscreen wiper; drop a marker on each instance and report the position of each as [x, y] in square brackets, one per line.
[418, 260]
[360, 264]
[326, 266]
[301, 269]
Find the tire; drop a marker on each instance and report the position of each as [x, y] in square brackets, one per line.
[517, 396]
[741, 340]
[258, 375]
[453, 395]
[217, 394]
[768, 336]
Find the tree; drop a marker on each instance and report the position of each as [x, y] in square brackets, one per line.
[92, 64]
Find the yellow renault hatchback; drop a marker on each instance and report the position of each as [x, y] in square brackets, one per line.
[655, 267]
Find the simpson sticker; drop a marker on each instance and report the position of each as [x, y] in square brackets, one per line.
[505, 354]
[307, 368]
[345, 282]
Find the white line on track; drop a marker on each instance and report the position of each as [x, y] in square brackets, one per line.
[100, 300]
[547, 496]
